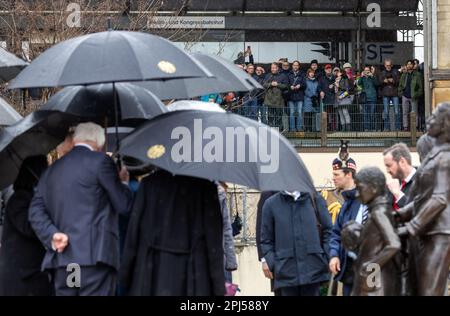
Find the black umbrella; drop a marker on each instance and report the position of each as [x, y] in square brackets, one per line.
[219, 146]
[227, 77]
[36, 134]
[110, 56]
[96, 102]
[10, 65]
[8, 115]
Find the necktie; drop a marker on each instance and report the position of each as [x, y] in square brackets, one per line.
[396, 207]
[365, 215]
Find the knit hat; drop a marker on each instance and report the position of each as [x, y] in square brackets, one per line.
[347, 65]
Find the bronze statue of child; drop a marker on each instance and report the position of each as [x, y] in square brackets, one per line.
[374, 240]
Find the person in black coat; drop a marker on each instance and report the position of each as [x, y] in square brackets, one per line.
[174, 243]
[21, 253]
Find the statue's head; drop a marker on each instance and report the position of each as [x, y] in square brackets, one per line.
[370, 183]
[424, 145]
[438, 124]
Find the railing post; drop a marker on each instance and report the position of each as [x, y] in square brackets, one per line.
[245, 215]
[413, 124]
[323, 129]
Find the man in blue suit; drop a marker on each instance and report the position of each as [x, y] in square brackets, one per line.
[352, 210]
[75, 215]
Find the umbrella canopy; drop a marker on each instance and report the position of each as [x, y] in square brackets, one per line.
[227, 77]
[8, 115]
[219, 146]
[195, 105]
[10, 65]
[96, 102]
[111, 56]
[36, 134]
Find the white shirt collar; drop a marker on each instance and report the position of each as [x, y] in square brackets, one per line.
[295, 194]
[409, 177]
[84, 145]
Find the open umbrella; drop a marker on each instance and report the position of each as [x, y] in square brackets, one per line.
[96, 102]
[10, 65]
[8, 115]
[227, 77]
[109, 57]
[219, 146]
[36, 134]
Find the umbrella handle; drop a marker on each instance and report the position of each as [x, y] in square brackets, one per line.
[116, 116]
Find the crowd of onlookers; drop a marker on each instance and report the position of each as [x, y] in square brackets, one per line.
[373, 99]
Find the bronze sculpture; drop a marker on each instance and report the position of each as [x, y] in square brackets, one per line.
[427, 217]
[375, 271]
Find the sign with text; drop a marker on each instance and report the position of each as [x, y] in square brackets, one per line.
[399, 52]
[186, 22]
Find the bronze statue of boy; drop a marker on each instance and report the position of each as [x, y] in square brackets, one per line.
[375, 271]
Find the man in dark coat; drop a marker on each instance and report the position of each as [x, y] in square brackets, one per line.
[398, 162]
[275, 84]
[328, 96]
[341, 261]
[174, 242]
[21, 252]
[296, 96]
[294, 241]
[74, 213]
[389, 79]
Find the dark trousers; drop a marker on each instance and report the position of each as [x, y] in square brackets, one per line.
[302, 290]
[97, 280]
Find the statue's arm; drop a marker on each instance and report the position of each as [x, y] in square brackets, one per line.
[406, 212]
[438, 201]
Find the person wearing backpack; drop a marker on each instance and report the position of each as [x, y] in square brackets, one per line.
[295, 232]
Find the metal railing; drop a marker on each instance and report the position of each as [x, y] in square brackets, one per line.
[359, 121]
